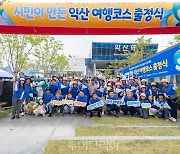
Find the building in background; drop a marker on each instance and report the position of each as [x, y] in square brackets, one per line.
[77, 67]
[102, 53]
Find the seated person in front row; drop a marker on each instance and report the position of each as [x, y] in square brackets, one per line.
[69, 108]
[83, 99]
[47, 97]
[93, 100]
[125, 108]
[52, 107]
[40, 110]
[30, 107]
[143, 112]
[163, 107]
[113, 107]
[154, 109]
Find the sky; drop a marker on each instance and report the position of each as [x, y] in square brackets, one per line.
[80, 45]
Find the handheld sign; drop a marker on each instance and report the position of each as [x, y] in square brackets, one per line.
[133, 103]
[165, 105]
[95, 105]
[118, 102]
[146, 105]
[156, 103]
[68, 102]
[55, 102]
[79, 104]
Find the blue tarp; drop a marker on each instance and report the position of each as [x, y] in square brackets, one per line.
[5, 75]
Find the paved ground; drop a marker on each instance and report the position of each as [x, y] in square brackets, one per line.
[30, 134]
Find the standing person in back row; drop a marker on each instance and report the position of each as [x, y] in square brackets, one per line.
[169, 91]
[18, 98]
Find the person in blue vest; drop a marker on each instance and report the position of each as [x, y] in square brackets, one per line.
[143, 112]
[84, 87]
[47, 97]
[83, 99]
[169, 91]
[113, 107]
[124, 83]
[18, 98]
[143, 89]
[119, 90]
[53, 86]
[95, 99]
[163, 107]
[28, 94]
[58, 82]
[125, 108]
[65, 87]
[144, 82]
[153, 110]
[74, 90]
[154, 90]
[69, 108]
[57, 97]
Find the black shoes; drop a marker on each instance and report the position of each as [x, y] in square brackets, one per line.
[50, 115]
[17, 117]
[13, 117]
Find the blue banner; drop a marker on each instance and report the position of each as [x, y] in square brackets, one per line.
[164, 63]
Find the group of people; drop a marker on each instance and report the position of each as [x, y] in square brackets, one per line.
[88, 90]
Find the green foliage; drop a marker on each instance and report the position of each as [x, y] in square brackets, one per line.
[15, 50]
[28, 51]
[47, 54]
[133, 57]
[107, 72]
[176, 39]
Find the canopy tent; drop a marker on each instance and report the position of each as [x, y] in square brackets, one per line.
[5, 75]
[26, 73]
[8, 69]
[90, 19]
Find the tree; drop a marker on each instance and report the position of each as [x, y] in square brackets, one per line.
[133, 57]
[15, 50]
[48, 57]
[176, 39]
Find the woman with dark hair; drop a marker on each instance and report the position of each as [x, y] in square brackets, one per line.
[18, 98]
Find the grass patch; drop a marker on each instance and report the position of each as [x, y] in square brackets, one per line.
[129, 120]
[113, 147]
[5, 112]
[126, 131]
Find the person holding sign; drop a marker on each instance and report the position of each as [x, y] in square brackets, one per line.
[58, 97]
[143, 112]
[93, 100]
[83, 99]
[153, 110]
[169, 91]
[126, 108]
[163, 107]
[113, 107]
[47, 97]
[69, 108]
